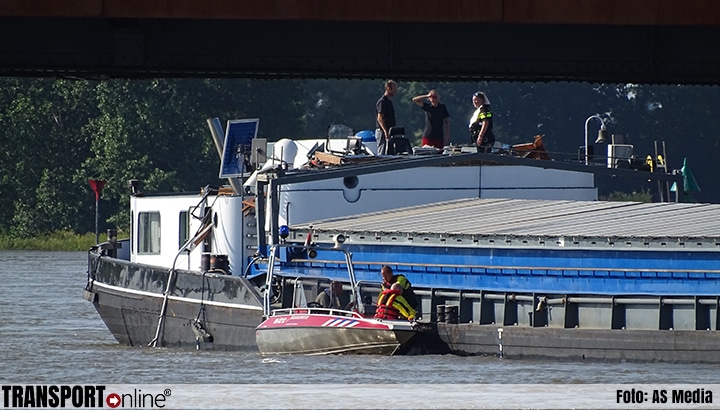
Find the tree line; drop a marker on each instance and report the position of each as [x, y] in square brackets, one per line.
[59, 133]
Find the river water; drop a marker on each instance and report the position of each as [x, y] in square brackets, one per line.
[50, 335]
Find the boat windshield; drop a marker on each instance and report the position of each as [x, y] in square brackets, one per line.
[284, 256]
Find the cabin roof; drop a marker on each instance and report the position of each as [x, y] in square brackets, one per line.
[513, 222]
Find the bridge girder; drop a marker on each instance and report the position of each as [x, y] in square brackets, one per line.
[512, 41]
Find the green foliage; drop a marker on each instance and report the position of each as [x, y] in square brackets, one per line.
[39, 149]
[56, 241]
[348, 102]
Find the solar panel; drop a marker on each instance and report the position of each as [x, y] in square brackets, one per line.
[237, 147]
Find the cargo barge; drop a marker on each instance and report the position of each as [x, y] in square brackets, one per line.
[510, 253]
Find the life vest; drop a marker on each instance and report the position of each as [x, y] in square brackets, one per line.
[392, 305]
[385, 308]
[408, 293]
[480, 115]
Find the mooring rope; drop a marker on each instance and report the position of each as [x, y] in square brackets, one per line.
[161, 319]
[159, 333]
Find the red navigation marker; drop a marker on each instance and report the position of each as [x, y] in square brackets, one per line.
[113, 400]
[97, 187]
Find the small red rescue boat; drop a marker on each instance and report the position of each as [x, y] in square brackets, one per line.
[315, 330]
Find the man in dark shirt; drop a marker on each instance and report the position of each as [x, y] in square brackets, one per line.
[437, 120]
[330, 297]
[385, 115]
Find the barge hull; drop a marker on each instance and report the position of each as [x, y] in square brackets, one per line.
[514, 342]
[231, 310]
[223, 320]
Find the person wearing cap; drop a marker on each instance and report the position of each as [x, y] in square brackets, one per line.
[437, 120]
[481, 122]
[385, 115]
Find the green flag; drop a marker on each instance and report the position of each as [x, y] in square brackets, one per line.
[690, 185]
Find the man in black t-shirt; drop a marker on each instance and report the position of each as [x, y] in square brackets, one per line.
[385, 115]
[437, 120]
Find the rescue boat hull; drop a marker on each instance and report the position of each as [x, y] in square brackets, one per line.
[324, 333]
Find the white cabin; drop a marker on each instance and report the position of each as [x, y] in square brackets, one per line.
[162, 224]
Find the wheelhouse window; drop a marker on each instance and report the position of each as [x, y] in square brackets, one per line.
[184, 226]
[148, 233]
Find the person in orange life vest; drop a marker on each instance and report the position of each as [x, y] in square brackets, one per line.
[408, 293]
[391, 304]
